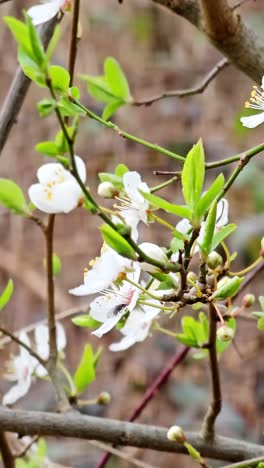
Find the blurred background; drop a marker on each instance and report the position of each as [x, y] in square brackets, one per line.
[158, 51]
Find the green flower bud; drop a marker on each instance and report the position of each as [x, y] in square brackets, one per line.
[248, 300]
[103, 398]
[227, 288]
[225, 333]
[107, 190]
[191, 277]
[123, 229]
[176, 434]
[214, 260]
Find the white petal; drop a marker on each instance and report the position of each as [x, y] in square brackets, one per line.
[81, 168]
[40, 371]
[109, 324]
[222, 213]
[42, 13]
[183, 226]
[125, 343]
[42, 341]
[253, 120]
[262, 83]
[61, 337]
[103, 307]
[17, 391]
[61, 198]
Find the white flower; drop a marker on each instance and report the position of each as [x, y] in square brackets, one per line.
[155, 252]
[42, 13]
[113, 304]
[24, 366]
[136, 328]
[134, 206]
[257, 102]
[57, 190]
[184, 226]
[107, 190]
[105, 269]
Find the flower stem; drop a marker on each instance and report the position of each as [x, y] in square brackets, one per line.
[249, 268]
[157, 306]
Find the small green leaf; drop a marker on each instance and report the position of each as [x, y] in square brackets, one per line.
[46, 107]
[210, 195]
[121, 169]
[56, 264]
[85, 373]
[261, 324]
[110, 108]
[74, 92]
[220, 235]
[86, 321]
[98, 88]
[176, 245]
[30, 68]
[182, 338]
[47, 147]
[20, 33]
[116, 180]
[116, 79]
[193, 176]
[261, 301]
[258, 314]
[192, 451]
[53, 42]
[36, 44]
[60, 78]
[206, 243]
[6, 294]
[117, 242]
[12, 197]
[159, 202]
[229, 289]
[68, 108]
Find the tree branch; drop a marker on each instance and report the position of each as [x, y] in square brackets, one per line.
[198, 89]
[227, 32]
[121, 433]
[6, 454]
[18, 90]
[252, 463]
[208, 432]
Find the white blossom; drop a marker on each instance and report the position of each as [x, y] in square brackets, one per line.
[155, 252]
[57, 190]
[110, 307]
[256, 101]
[48, 10]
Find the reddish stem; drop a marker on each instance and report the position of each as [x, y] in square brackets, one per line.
[151, 392]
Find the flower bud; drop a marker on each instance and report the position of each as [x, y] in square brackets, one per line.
[107, 190]
[103, 398]
[248, 300]
[176, 434]
[123, 229]
[227, 287]
[191, 277]
[225, 333]
[155, 252]
[214, 260]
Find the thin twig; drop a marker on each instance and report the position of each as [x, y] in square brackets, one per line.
[25, 449]
[122, 433]
[239, 4]
[198, 89]
[122, 455]
[151, 392]
[6, 453]
[23, 345]
[74, 40]
[208, 431]
[246, 464]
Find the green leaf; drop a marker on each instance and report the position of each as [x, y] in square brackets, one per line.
[121, 169]
[47, 147]
[117, 242]
[46, 107]
[116, 180]
[192, 451]
[210, 195]
[6, 294]
[12, 197]
[53, 42]
[85, 373]
[159, 202]
[206, 244]
[258, 314]
[229, 289]
[220, 235]
[68, 108]
[182, 338]
[60, 78]
[116, 79]
[86, 321]
[176, 245]
[56, 265]
[98, 88]
[30, 69]
[261, 301]
[74, 92]
[20, 33]
[261, 324]
[188, 326]
[110, 108]
[193, 176]
[36, 44]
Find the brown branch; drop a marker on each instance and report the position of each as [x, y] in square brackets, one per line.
[208, 431]
[121, 433]
[74, 39]
[6, 454]
[24, 345]
[227, 32]
[198, 89]
[18, 90]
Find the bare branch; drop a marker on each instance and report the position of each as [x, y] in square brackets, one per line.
[18, 90]
[252, 463]
[228, 33]
[198, 89]
[24, 345]
[6, 454]
[121, 433]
